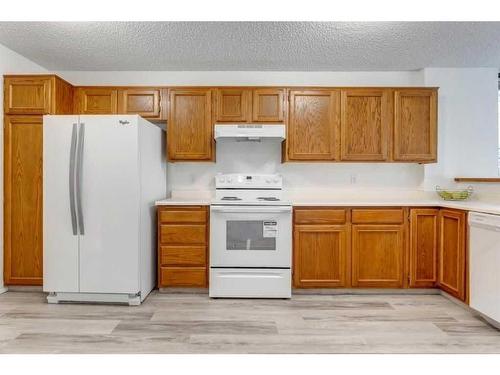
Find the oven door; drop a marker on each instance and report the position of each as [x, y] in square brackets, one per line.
[250, 236]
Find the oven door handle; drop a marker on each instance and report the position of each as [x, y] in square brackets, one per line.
[250, 209]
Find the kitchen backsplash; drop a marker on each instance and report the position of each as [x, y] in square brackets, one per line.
[265, 157]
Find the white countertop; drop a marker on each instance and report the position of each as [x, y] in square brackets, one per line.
[183, 202]
[480, 206]
[423, 199]
[187, 198]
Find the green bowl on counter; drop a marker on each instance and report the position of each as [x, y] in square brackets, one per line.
[454, 194]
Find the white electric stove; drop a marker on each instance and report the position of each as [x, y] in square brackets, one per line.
[250, 237]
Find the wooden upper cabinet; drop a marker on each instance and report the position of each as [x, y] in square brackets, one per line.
[37, 95]
[423, 247]
[23, 202]
[452, 224]
[321, 256]
[313, 125]
[233, 105]
[365, 124]
[415, 125]
[27, 95]
[378, 255]
[268, 105]
[145, 102]
[190, 125]
[96, 100]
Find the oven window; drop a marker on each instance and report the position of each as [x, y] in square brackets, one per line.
[251, 235]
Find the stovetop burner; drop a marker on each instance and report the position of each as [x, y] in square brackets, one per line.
[249, 190]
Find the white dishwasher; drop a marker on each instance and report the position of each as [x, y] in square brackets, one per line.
[484, 259]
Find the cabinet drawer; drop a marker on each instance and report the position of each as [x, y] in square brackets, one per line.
[183, 234]
[183, 255]
[319, 216]
[377, 216]
[183, 276]
[182, 216]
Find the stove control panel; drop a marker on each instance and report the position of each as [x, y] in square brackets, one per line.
[248, 181]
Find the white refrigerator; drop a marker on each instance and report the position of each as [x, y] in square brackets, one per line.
[101, 177]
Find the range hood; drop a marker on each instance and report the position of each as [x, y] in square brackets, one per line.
[249, 132]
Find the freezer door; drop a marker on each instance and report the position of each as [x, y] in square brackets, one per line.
[60, 237]
[108, 189]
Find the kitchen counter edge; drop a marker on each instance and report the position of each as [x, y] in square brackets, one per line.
[479, 206]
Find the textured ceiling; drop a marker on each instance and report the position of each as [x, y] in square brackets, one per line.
[284, 46]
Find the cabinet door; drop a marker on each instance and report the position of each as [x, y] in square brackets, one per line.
[452, 252]
[320, 256]
[97, 101]
[233, 105]
[144, 102]
[268, 105]
[23, 150]
[365, 125]
[415, 125]
[190, 125]
[313, 126]
[377, 256]
[26, 95]
[423, 247]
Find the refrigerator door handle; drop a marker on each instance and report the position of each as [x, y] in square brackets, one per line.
[79, 163]
[72, 157]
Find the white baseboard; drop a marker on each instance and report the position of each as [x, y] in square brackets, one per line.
[3, 289]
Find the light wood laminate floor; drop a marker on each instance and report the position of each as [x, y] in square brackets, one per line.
[193, 323]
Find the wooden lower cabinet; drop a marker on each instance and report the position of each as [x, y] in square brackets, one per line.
[424, 231]
[23, 200]
[378, 255]
[452, 252]
[182, 246]
[183, 277]
[375, 248]
[321, 256]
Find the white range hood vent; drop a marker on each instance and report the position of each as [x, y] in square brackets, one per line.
[249, 132]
